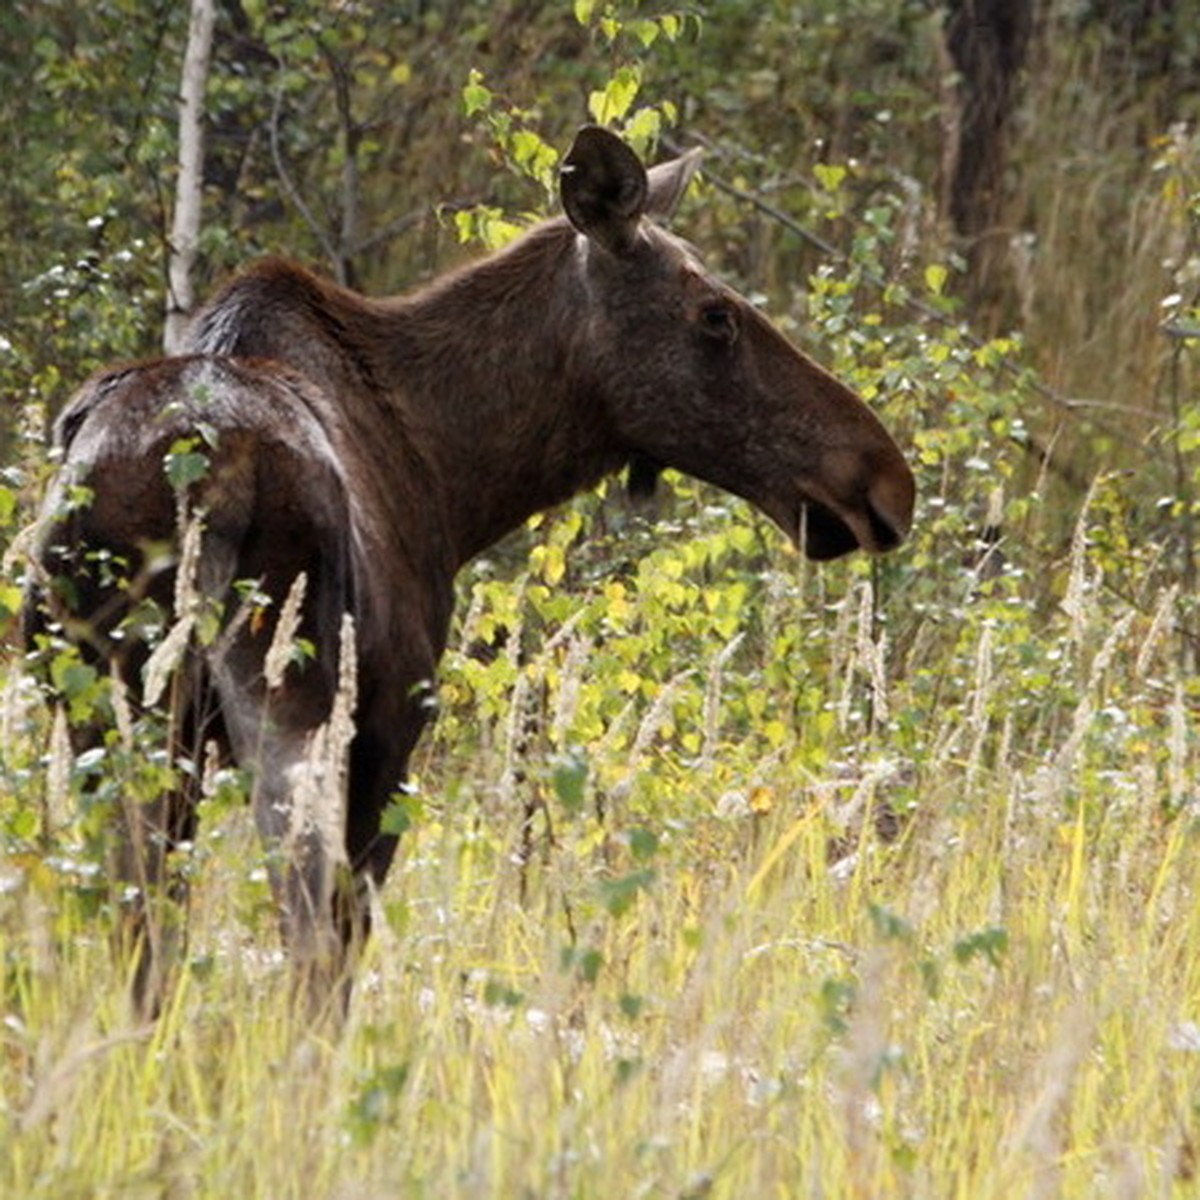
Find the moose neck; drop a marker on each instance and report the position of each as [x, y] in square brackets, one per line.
[491, 366]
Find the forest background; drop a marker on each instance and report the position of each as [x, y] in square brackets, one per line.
[723, 874]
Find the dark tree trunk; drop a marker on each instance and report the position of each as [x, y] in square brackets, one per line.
[986, 42]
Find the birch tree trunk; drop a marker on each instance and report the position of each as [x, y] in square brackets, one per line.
[185, 227]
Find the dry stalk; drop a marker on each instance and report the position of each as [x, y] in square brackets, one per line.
[652, 722]
[872, 655]
[58, 772]
[470, 621]
[863, 1060]
[212, 766]
[980, 697]
[615, 727]
[57, 1084]
[1107, 653]
[518, 710]
[1079, 583]
[1052, 777]
[17, 697]
[842, 661]
[167, 655]
[319, 783]
[1158, 626]
[187, 592]
[712, 699]
[122, 710]
[283, 641]
[1040, 1129]
[1179, 778]
[568, 688]
[562, 634]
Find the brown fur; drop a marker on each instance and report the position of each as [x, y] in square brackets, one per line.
[377, 445]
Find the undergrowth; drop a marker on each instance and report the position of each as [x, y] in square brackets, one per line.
[722, 874]
[923, 924]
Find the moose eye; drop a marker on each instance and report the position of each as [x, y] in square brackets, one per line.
[719, 321]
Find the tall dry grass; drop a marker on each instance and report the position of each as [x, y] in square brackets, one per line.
[969, 971]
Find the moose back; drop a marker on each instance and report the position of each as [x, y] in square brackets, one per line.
[369, 448]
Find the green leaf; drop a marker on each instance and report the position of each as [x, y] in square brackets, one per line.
[642, 130]
[616, 99]
[476, 97]
[374, 1105]
[11, 598]
[526, 146]
[829, 175]
[643, 843]
[403, 811]
[584, 10]
[497, 232]
[935, 278]
[889, 925]
[306, 46]
[184, 464]
[464, 225]
[79, 684]
[70, 676]
[77, 496]
[500, 995]
[619, 894]
[569, 779]
[590, 962]
[631, 1005]
[989, 943]
[835, 1000]
[535, 156]
[586, 962]
[646, 32]
[627, 1068]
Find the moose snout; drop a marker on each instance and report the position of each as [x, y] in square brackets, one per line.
[889, 506]
[859, 500]
[869, 494]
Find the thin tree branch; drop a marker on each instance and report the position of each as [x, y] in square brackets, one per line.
[927, 311]
[289, 185]
[351, 136]
[392, 229]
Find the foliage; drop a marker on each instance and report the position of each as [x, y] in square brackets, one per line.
[722, 874]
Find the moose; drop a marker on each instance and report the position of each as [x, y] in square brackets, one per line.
[367, 449]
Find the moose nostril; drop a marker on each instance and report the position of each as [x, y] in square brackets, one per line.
[884, 534]
[889, 505]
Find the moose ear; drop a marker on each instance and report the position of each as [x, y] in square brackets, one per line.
[604, 188]
[668, 182]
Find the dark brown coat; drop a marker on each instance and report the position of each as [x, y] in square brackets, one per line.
[377, 445]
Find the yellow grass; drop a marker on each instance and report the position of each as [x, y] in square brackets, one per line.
[1002, 1001]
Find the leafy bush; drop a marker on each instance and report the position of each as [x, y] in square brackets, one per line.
[721, 872]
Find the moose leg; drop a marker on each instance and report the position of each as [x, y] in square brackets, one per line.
[378, 765]
[154, 897]
[278, 679]
[149, 895]
[283, 735]
[144, 831]
[151, 831]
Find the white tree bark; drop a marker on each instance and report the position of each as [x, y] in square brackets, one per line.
[185, 227]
